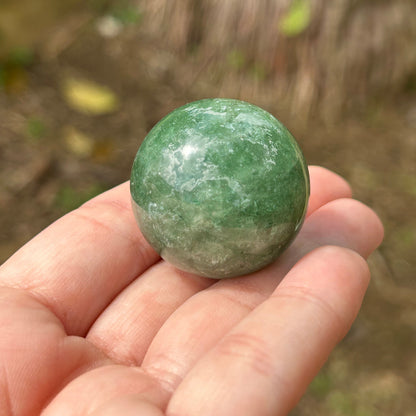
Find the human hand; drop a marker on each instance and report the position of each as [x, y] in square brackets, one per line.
[94, 323]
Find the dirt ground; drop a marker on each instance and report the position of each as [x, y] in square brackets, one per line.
[53, 158]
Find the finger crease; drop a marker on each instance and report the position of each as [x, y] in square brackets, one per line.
[40, 299]
[112, 203]
[138, 244]
[247, 302]
[304, 294]
[166, 372]
[249, 349]
[96, 223]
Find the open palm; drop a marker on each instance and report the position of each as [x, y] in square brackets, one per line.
[94, 323]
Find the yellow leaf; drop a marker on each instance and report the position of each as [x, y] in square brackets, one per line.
[78, 142]
[88, 97]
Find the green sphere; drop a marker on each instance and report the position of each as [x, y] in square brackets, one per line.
[219, 188]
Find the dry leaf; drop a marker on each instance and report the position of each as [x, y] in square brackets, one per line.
[77, 142]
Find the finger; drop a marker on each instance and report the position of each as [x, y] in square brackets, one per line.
[148, 301]
[263, 366]
[109, 386]
[213, 312]
[162, 289]
[128, 405]
[362, 234]
[81, 262]
[326, 186]
[36, 356]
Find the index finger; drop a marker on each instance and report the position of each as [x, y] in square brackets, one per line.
[78, 264]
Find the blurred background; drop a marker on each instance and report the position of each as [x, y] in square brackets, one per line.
[82, 82]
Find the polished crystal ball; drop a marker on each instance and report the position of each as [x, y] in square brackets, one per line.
[219, 188]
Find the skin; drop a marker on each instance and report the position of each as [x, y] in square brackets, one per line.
[94, 323]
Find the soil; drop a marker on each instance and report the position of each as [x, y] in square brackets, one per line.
[373, 371]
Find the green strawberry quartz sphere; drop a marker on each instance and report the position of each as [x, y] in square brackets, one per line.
[219, 188]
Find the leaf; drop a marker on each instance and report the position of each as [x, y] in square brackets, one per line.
[296, 19]
[88, 97]
[78, 142]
